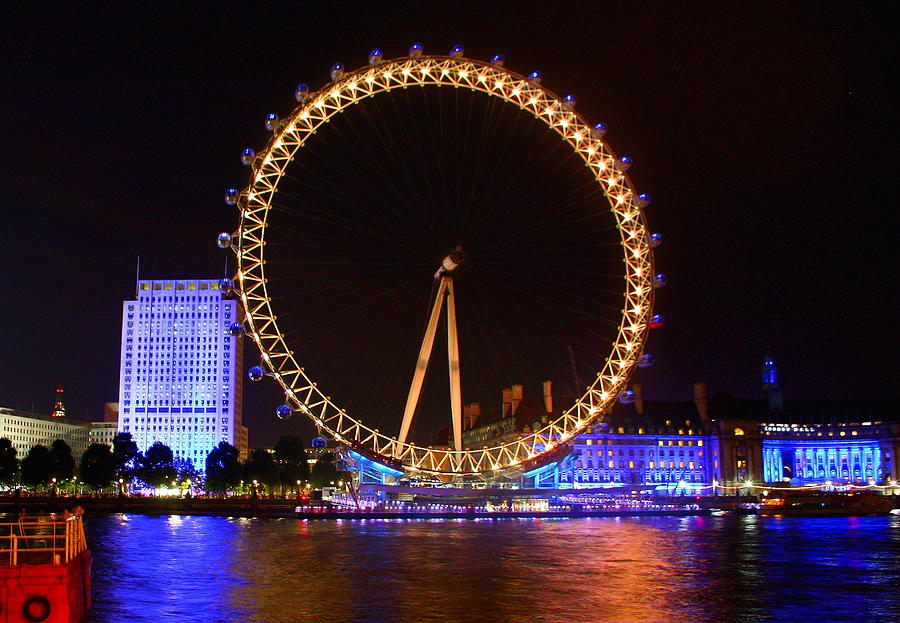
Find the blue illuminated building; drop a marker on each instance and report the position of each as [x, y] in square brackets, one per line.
[181, 364]
[858, 453]
[695, 446]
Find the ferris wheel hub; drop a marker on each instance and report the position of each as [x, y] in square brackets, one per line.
[451, 262]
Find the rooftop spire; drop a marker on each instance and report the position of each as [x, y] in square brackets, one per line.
[770, 387]
[59, 406]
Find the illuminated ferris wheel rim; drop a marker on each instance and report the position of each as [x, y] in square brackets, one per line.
[382, 76]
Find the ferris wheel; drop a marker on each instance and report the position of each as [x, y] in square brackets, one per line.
[290, 147]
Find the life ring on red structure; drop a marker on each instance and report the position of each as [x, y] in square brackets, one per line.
[36, 609]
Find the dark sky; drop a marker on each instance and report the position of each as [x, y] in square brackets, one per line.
[762, 130]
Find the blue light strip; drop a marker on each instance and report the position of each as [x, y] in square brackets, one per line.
[378, 467]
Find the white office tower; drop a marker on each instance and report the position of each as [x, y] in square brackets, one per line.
[180, 378]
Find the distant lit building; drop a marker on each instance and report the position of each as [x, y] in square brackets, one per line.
[180, 378]
[718, 441]
[103, 432]
[26, 430]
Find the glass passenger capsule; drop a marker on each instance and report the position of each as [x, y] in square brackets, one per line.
[284, 411]
[598, 130]
[624, 163]
[301, 92]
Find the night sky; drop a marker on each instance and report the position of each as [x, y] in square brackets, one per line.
[762, 131]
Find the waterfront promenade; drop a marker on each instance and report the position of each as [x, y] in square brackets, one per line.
[278, 507]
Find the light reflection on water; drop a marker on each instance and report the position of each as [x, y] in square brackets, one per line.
[212, 569]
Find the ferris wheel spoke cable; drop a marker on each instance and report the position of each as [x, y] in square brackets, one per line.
[322, 184]
[374, 163]
[317, 212]
[359, 178]
[487, 170]
[580, 319]
[380, 291]
[419, 152]
[371, 188]
[394, 152]
[515, 292]
[324, 331]
[524, 349]
[339, 240]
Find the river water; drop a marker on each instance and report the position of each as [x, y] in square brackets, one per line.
[729, 568]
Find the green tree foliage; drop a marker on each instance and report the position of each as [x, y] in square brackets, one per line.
[324, 472]
[98, 466]
[223, 470]
[36, 466]
[158, 465]
[62, 463]
[9, 462]
[291, 460]
[261, 467]
[126, 456]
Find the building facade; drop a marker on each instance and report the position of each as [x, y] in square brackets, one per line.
[26, 430]
[103, 432]
[180, 377]
[709, 443]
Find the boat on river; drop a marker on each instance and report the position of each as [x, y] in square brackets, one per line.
[45, 569]
[815, 503]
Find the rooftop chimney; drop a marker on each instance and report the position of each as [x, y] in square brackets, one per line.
[471, 413]
[516, 398]
[701, 401]
[638, 390]
[548, 396]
